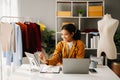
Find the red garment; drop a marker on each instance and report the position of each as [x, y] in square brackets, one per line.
[33, 37]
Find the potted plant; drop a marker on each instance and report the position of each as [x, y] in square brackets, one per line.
[117, 41]
[80, 12]
[48, 41]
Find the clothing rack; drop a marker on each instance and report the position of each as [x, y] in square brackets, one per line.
[13, 17]
[4, 17]
[24, 18]
[29, 19]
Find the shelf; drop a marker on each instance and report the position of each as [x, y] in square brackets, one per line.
[68, 1]
[66, 17]
[89, 33]
[77, 17]
[88, 20]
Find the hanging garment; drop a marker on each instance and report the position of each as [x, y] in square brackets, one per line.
[6, 36]
[17, 56]
[24, 33]
[42, 26]
[11, 42]
[7, 41]
[38, 37]
[33, 38]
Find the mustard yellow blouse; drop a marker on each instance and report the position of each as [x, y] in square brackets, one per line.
[61, 51]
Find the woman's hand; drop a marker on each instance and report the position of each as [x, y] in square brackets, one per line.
[42, 58]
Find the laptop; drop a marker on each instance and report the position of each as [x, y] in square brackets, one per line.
[76, 66]
[33, 60]
[43, 68]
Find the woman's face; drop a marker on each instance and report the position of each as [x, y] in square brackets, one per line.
[66, 35]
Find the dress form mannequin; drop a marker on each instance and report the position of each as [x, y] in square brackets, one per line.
[107, 28]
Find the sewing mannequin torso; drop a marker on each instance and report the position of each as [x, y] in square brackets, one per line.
[107, 28]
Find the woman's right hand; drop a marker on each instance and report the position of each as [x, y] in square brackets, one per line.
[42, 57]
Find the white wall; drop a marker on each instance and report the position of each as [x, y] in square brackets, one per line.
[0, 8]
[42, 9]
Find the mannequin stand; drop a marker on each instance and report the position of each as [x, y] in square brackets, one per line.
[104, 58]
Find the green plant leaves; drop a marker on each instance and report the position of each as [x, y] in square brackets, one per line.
[48, 40]
[117, 41]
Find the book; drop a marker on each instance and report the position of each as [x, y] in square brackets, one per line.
[50, 69]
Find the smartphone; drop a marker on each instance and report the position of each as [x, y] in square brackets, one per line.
[92, 70]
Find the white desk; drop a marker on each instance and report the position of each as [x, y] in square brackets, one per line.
[103, 73]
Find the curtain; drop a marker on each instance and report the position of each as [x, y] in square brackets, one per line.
[9, 8]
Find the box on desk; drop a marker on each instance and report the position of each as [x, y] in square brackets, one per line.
[63, 13]
[94, 11]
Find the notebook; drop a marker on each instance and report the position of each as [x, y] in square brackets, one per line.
[43, 68]
[76, 66]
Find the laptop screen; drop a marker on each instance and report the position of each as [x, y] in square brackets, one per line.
[32, 60]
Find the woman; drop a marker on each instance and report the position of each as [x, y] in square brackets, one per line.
[70, 47]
